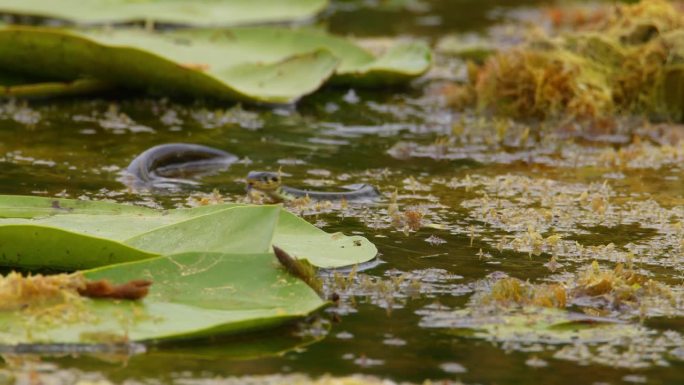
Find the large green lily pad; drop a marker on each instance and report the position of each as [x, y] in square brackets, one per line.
[193, 295]
[144, 60]
[72, 234]
[211, 12]
[270, 65]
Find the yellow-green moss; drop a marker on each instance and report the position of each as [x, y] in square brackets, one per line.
[632, 62]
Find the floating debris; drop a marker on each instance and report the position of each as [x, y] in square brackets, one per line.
[37, 293]
[18, 292]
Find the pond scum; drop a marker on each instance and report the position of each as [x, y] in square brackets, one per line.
[601, 292]
[38, 291]
[629, 60]
[592, 306]
[48, 300]
[607, 247]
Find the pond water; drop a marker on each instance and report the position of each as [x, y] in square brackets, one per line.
[481, 196]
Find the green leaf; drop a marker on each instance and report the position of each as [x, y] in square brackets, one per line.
[19, 206]
[399, 64]
[54, 89]
[294, 235]
[211, 12]
[162, 63]
[30, 246]
[246, 229]
[13, 85]
[71, 234]
[193, 295]
[12, 79]
[272, 65]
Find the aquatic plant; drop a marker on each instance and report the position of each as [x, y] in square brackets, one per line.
[629, 61]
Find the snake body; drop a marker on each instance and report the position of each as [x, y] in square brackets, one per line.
[269, 184]
[157, 164]
[154, 166]
[357, 192]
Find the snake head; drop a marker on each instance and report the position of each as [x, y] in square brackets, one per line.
[263, 181]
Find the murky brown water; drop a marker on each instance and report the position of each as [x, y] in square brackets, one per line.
[476, 196]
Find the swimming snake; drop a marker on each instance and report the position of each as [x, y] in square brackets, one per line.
[162, 164]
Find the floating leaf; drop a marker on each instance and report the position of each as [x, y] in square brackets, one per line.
[18, 206]
[140, 59]
[399, 62]
[30, 246]
[54, 89]
[212, 12]
[271, 65]
[71, 234]
[18, 86]
[295, 236]
[193, 295]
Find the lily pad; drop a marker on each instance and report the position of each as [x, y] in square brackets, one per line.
[153, 61]
[17, 86]
[54, 89]
[270, 65]
[21, 206]
[400, 61]
[71, 234]
[212, 12]
[193, 295]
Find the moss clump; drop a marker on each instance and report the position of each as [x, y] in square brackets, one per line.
[594, 289]
[533, 83]
[512, 291]
[620, 286]
[25, 293]
[630, 62]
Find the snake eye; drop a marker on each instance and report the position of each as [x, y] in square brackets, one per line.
[274, 179]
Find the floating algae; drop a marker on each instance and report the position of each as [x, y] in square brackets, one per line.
[18, 292]
[629, 62]
[621, 292]
[41, 294]
[583, 317]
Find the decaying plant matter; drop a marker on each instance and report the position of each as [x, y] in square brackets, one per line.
[630, 60]
[595, 289]
[18, 292]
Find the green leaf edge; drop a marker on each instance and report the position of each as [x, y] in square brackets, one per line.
[220, 89]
